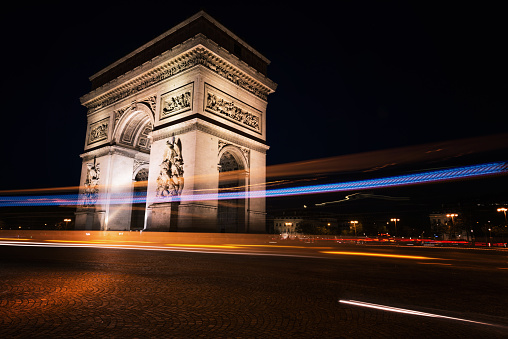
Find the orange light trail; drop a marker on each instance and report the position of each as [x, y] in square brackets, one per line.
[381, 255]
[201, 246]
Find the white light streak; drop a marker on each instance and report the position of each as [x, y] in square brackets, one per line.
[147, 248]
[406, 311]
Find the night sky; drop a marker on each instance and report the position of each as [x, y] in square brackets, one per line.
[357, 77]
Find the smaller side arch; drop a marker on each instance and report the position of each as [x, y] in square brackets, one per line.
[238, 155]
[233, 177]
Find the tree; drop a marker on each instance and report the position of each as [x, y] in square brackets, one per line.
[312, 228]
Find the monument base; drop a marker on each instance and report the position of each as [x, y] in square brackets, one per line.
[162, 217]
[181, 217]
[90, 220]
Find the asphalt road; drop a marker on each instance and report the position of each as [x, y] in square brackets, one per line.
[252, 292]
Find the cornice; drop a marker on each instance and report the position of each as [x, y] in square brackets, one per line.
[203, 126]
[109, 150]
[196, 51]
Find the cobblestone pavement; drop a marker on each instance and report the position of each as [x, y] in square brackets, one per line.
[112, 293]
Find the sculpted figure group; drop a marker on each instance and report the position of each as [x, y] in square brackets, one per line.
[170, 181]
[91, 186]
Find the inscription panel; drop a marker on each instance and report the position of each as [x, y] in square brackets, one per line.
[232, 109]
[98, 131]
[176, 101]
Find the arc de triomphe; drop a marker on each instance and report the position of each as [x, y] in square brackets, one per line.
[182, 116]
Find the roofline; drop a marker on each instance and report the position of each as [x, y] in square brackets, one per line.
[174, 29]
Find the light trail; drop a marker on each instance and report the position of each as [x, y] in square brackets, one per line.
[406, 311]
[381, 255]
[458, 173]
[388, 158]
[149, 248]
[201, 246]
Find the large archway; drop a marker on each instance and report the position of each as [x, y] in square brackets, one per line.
[232, 178]
[133, 126]
[132, 131]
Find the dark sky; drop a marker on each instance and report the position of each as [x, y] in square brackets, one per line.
[357, 77]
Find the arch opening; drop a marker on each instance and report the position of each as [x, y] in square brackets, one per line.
[132, 129]
[139, 208]
[232, 178]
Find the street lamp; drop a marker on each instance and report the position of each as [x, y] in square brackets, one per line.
[354, 222]
[67, 222]
[395, 221]
[503, 209]
[289, 228]
[452, 215]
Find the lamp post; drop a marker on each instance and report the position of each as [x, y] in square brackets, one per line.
[452, 215]
[289, 228]
[395, 221]
[503, 209]
[66, 222]
[354, 222]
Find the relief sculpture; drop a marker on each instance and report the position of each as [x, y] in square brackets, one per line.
[177, 103]
[170, 180]
[91, 185]
[98, 131]
[232, 111]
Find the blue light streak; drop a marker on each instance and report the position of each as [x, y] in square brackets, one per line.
[402, 180]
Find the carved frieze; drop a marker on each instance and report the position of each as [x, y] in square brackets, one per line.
[176, 101]
[98, 131]
[197, 56]
[226, 106]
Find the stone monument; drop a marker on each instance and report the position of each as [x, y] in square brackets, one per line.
[173, 125]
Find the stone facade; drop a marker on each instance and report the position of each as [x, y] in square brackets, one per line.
[192, 121]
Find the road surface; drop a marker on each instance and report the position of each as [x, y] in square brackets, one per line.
[226, 290]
